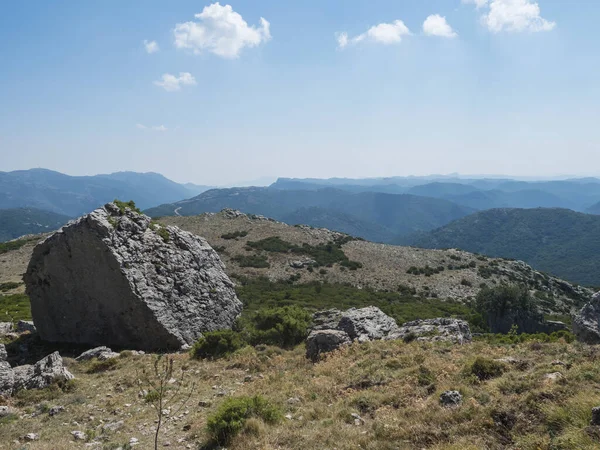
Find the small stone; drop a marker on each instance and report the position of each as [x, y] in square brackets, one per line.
[32, 437]
[288, 416]
[113, 426]
[552, 377]
[134, 441]
[78, 435]
[55, 410]
[595, 416]
[4, 411]
[293, 401]
[357, 419]
[451, 399]
[248, 378]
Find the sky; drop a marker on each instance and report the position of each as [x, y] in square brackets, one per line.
[220, 93]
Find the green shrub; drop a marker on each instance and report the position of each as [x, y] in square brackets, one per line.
[12, 245]
[233, 413]
[9, 285]
[124, 205]
[15, 307]
[102, 366]
[215, 344]
[164, 234]
[486, 369]
[256, 261]
[285, 327]
[234, 235]
[465, 282]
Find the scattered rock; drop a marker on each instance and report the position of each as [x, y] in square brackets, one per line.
[78, 435]
[443, 329]
[112, 427]
[56, 410]
[5, 411]
[357, 419]
[301, 264]
[24, 326]
[293, 401]
[101, 353]
[451, 399]
[5, 328]
[114, 278]
[586, 323]
[31, 437]
[3, 353]
[42, 374]
[552, 377]
[595, 416]
[324, 341]
[134, 441]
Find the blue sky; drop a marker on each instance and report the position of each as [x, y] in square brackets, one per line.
[509, 87]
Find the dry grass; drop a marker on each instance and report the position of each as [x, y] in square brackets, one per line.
[393, 386]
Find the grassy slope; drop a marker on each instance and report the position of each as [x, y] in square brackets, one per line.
[383, 382]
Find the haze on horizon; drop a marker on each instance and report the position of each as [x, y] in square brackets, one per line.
[342, 88]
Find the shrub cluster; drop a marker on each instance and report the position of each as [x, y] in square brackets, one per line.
[486, 369]
[234, 235]
[215, 344]
[12, 245]
[256, 261]
[427, 271]
[124, 205]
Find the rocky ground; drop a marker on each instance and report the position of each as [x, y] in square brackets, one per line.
[377, 395]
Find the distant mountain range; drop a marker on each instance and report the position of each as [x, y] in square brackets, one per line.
[559, 241]
[72, 196]
[372, 215]
[18, 222]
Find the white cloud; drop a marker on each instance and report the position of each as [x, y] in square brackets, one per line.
[515, 16]
[384, 33]
[151, 46]
[172, 83]
[160, 128]
[221, 31]
[478, 3]
[436, 25]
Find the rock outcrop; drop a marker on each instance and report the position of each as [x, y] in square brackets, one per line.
[38, 376]
[586, 323]
[333, 328]
[100, 353]
[444, 329]
[115, 278]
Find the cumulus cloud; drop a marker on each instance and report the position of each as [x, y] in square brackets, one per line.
[478, 3]
[172, 83]
[384, 33]
[221, 31]
[151, 46]
[436, 25]
[515, 16]
[160, 128]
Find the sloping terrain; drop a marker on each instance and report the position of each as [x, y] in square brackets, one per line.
[18, 222]
[558, 241]
[74, 196]
[376, 216]
[445, 274]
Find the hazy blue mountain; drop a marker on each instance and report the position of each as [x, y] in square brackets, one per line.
[559, 241]
[73, 196]
[18, 222]
[385, 215]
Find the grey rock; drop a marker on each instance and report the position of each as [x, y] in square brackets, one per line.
[113, 426]
[595, 416]
[326, 320]
[42, 374]
[5, 411]
[7, 379]
[302, 263]
[451, 399]
[78, 435]
[5, 328]
[24, 326]
[55, 410]
[112, 278]
[3, 353]
[442, 329]
[31, 437]
[325, 341]
[586, 323]
[367, 324]
[101, 353]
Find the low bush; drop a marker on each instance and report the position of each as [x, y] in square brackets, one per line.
[102, 366]
[215, 344]
[256, 261]
[12, 245]
[233, 413]
[124, 205]
[9, 285]
[486, 369]
[285, 327]
[234, 235]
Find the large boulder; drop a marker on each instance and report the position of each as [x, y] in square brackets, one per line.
[325, 341]
[443, 329]
[586, 323]
[115, 278]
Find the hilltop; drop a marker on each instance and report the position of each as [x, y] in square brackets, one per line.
[559, 241]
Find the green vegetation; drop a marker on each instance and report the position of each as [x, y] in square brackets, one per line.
[323, 254]
[17, 222]
[97, 366]
[557, 241]
[234, 235]
[427, 271]
[256, 261]
[284, 327]
[486, 369]
[14, 308]
[515, 338]
[164, 234]
[260, 293]
[4, 287]
[503, 299]
[232, 415]
[12, 245]
[216, 344]
[124, 205]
